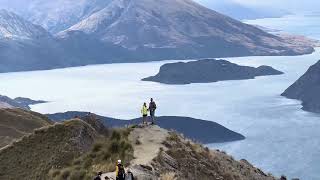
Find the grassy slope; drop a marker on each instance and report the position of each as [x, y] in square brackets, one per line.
[77, 149]
[54, 146]
[74, 149]
[102, 157]
[15, 123]
[187, 160]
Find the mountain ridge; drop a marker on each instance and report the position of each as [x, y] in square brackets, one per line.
[124, 31]
[16, 123]
[13, 26]
[75, 149]
[306, 89]
[198, 130]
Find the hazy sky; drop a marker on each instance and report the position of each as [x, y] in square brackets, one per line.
[298, 5]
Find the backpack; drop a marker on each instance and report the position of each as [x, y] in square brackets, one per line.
[153, 105]
[97, 178]
[121, 172]
[129, 176]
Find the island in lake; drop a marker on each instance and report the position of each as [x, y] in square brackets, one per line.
[207, 71]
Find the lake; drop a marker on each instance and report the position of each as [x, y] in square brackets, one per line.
[281, 138]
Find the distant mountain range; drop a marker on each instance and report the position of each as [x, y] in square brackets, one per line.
[243, 12]
[307, 89]
[114, 31]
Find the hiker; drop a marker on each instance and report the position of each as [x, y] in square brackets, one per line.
[144, 112]
[129, 175]
[152, 109]
[120, 172]
[283, 178]
[98, 177]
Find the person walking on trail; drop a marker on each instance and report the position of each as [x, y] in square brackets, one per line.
[120, 172]
[98, 177]
[144, 112]
[152, 109]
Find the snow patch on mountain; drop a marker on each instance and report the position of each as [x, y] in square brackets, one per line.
[14, 27]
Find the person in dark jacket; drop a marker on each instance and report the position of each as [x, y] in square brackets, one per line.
[152, 110]
[98, 177]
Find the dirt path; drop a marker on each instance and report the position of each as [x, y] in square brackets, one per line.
[146, 142]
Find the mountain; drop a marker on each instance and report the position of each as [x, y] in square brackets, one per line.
[179, 158]
[15, 123]
[28, 101]
[54, 16]
[206, 71]
[18, 102]
[26, 46]
[195, 129]
[75, 149]
[59, 15]
[118, 31]
[240, 11]
[171, 29]
[307, 89]
[11, 103]
[13, 26]
[34, 155]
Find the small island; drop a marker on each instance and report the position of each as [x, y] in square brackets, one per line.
[307, 89]
[207, 71]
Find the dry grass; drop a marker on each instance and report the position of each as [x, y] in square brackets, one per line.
[194, 161]
[15, 123]
[56, 146]
[102, 157]
[168, 176]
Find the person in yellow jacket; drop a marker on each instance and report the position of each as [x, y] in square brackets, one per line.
[144, 112]
[120, 171]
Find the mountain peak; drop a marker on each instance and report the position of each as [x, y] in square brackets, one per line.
[13, 26]
[178, 26]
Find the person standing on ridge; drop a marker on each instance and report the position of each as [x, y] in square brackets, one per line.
[144, 112]
[152, 109]
[120, 171]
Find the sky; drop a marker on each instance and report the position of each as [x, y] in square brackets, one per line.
[296, 5]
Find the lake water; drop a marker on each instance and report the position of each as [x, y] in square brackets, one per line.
[281, 138]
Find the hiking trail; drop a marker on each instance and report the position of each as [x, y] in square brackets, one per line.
[147, 142]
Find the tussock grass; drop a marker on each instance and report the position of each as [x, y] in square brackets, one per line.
[102, 157]
[189, 160]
